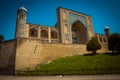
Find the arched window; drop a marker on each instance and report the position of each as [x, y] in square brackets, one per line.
[65, 28]
[100, 39]
[105, 39]
[22, 16]
[33, 32]
[64, 15]
[54, 34]
[44, 33]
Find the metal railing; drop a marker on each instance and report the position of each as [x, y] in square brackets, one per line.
[68, 72]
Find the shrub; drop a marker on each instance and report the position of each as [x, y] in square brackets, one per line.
[93, 45]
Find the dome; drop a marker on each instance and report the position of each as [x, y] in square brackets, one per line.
[106, 27]
[22, 8]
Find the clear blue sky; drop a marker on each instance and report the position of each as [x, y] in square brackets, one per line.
[103, 12]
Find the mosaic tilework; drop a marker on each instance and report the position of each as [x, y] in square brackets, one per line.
[74, 17]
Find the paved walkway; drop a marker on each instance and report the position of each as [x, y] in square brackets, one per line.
[84, 77]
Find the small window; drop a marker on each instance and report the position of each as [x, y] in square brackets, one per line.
[100, 39]
[104, 39]
[65, 28]
[22, 16]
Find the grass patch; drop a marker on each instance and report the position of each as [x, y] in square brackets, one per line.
[81, 64]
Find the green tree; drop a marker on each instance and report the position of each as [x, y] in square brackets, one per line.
[1, 39]
[118, 46]
[93, 45]
[114, 42]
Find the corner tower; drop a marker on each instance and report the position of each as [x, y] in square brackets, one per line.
[21, 22]
[107, 32]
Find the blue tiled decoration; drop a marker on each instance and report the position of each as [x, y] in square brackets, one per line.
[75, 17]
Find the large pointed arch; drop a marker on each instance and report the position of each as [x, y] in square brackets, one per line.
[79, 33]
[33, 32]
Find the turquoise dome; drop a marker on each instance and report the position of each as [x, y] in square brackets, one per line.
[22, 8]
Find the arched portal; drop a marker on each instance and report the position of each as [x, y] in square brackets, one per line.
[79, 33]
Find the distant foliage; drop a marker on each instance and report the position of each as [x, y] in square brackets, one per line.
[93, 45]
[114, 42]
[1, 39]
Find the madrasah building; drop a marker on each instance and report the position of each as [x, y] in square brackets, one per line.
[71, 28]
[34, 44]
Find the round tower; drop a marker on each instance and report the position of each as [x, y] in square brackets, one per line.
[21, 22]
[107, 32]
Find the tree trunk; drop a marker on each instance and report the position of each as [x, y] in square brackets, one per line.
[94, 51]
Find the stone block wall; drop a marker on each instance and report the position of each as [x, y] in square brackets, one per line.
[7, 53]
[31, 52]
[28, 53]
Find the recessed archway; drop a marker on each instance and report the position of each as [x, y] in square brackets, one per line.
[33, 32]
[79, 33]
[44, 33]
[53, 34]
